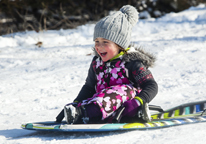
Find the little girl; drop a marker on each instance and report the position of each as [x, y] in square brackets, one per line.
[118, 75]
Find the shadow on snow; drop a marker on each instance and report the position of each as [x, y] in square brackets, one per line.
[11, 134]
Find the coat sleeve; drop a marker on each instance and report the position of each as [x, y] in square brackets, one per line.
[88, 89]
[143, 78]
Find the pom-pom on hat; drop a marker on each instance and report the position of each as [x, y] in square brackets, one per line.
[118, 26]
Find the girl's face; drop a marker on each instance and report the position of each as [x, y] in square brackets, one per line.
[106, 48]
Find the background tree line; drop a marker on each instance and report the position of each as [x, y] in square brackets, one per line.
[38, 15]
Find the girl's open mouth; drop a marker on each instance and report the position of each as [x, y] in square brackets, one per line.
[103, 54]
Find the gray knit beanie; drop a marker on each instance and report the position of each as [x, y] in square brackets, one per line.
[118, 26]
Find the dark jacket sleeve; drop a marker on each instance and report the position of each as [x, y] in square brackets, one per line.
[143, 78]
[88, 89]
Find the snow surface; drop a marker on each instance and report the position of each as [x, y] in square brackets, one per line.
[35, 83]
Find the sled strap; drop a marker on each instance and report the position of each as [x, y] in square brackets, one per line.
[203, 112]
[60, 116]
[156, 108]
[118, 115]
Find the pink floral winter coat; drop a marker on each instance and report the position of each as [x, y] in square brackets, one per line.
[131, 68]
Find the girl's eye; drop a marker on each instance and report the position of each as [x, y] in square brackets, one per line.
[105, 42]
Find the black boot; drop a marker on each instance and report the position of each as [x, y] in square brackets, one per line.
[75, 115]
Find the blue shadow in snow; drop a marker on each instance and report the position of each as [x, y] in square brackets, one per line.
[46, 135]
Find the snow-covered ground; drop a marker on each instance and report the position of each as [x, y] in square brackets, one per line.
[35, 83]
